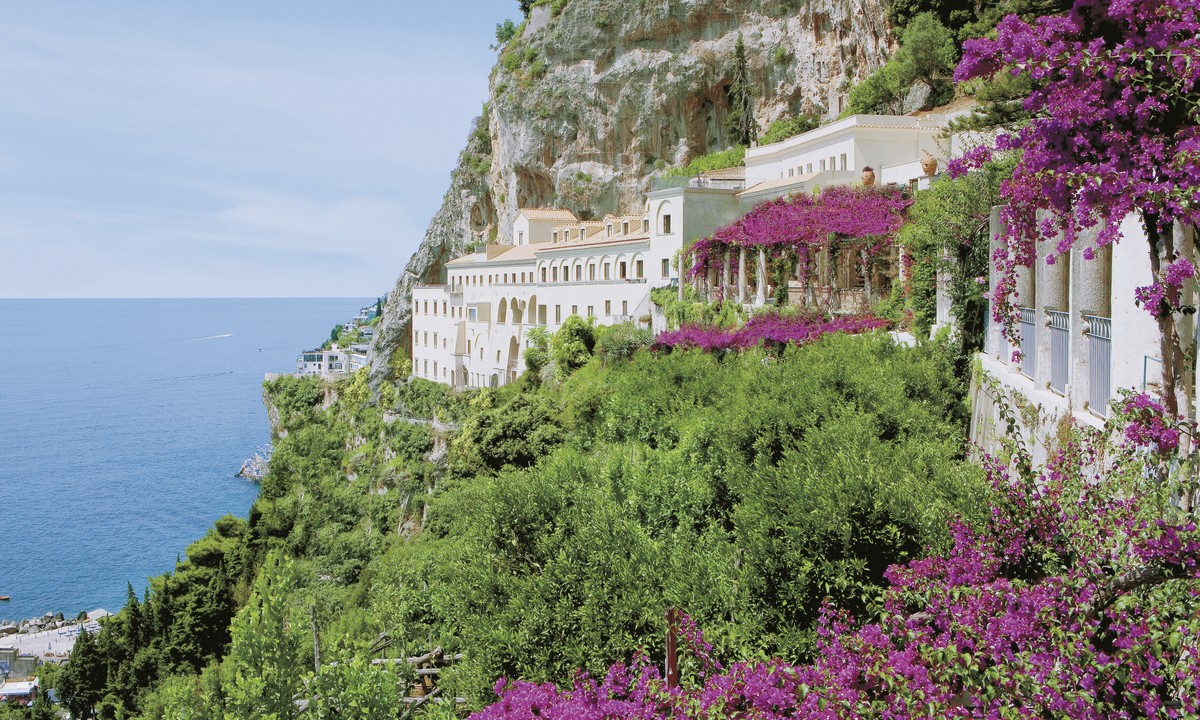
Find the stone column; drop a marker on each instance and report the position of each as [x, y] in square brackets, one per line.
[742, 276]
[760, 295]
[726, 280]
[1052, 287]
[711, 276]
[1091, 281]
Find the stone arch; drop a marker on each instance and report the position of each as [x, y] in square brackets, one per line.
[502, 311]
[514, 311]
[531, 311]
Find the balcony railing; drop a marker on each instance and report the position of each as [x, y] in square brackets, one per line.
[1099, 363]
[1028, 342]
[1060, 350]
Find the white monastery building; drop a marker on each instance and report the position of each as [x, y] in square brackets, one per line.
[470, 331]
[1083, 336]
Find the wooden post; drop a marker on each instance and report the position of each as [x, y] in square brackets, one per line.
[672, 648]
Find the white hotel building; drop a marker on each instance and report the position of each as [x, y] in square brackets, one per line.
[470, 331]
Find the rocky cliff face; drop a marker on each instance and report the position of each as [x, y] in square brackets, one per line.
[588, 107]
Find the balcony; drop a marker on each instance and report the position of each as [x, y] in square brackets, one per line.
[1028, 342]
[1060, 350]
[1099, 336]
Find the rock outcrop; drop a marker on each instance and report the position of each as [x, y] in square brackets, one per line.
[587, 108]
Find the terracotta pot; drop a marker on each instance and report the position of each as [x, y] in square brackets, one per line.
[868, 177]
[929, 165]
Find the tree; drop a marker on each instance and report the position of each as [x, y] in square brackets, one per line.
[81, 682]
[354, 690]
[927, 53]
[743, 130]
[537, 354]
[571, 347]
[263, 667]
[948, 231]
[1115, 132]
[505, 31]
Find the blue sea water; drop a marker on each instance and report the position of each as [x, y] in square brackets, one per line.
[122, 423]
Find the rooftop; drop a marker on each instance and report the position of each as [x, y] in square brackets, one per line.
[545, 214]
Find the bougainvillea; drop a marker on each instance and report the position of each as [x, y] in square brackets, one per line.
[1115, 132]
[1076, 600]
[765, 329]
[869, 216]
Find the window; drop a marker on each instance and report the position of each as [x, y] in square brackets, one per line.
[468, 347]
[646, 225]
[640, 269]
[606, 271]
[521, 237]
[435, 307]
[505, 278]
[574, 309]
[621, 269]
[543, 274]
[666, 263]
[473, 314]
[608, 229]
[666, 224]
[435, 368]
[443, 307]
[435, 339]
[822, 166]
[555, 236]
[558, 314]
[608, 307]
[554, 274]
[426, 307]
[809, 171]
[625, 228]
[624, 307]
[843, 163]
[791, 172]
[832, 163]
[592, 271]
[497, 356]
[427, 339]
[591, 310]
[578, 272]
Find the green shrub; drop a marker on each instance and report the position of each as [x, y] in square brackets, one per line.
[713, 161]
[785, 128]
[571, 347]
[620, 342]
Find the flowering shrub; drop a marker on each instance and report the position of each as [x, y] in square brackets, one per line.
[767, 328]
[870, 215]
[1076, 600]
[1116, 131]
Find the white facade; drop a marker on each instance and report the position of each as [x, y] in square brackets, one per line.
[891, 145]
[470, 332]
[326, 363]
[1083, 340]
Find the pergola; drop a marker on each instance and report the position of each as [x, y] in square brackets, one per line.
[832, 239]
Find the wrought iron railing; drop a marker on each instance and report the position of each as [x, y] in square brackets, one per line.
[1060, 350]
[1028, 342]
[1099, 363]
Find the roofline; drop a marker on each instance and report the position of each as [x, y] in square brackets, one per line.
[561, 247]
[866, 122]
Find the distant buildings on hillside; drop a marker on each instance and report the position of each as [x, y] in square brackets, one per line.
[335, 360]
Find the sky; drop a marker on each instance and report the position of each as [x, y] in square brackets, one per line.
[230, 148]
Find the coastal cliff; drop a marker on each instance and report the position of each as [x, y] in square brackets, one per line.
[587, 107]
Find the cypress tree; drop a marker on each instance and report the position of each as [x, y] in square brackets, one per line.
[740, 123]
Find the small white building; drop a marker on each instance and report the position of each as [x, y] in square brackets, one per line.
[333, 362]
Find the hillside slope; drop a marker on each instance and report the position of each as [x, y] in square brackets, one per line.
[586, 107]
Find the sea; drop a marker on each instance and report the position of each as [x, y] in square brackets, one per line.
[122, 426]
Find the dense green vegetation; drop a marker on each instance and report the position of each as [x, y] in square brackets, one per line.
[563, 520]
[790, 126]
[928, 53]
[720, 160]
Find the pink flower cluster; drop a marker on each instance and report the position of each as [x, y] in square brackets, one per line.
[1149, 424]
[1071, 602]
[868, 215]
[765, 329]
[1116, 131]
